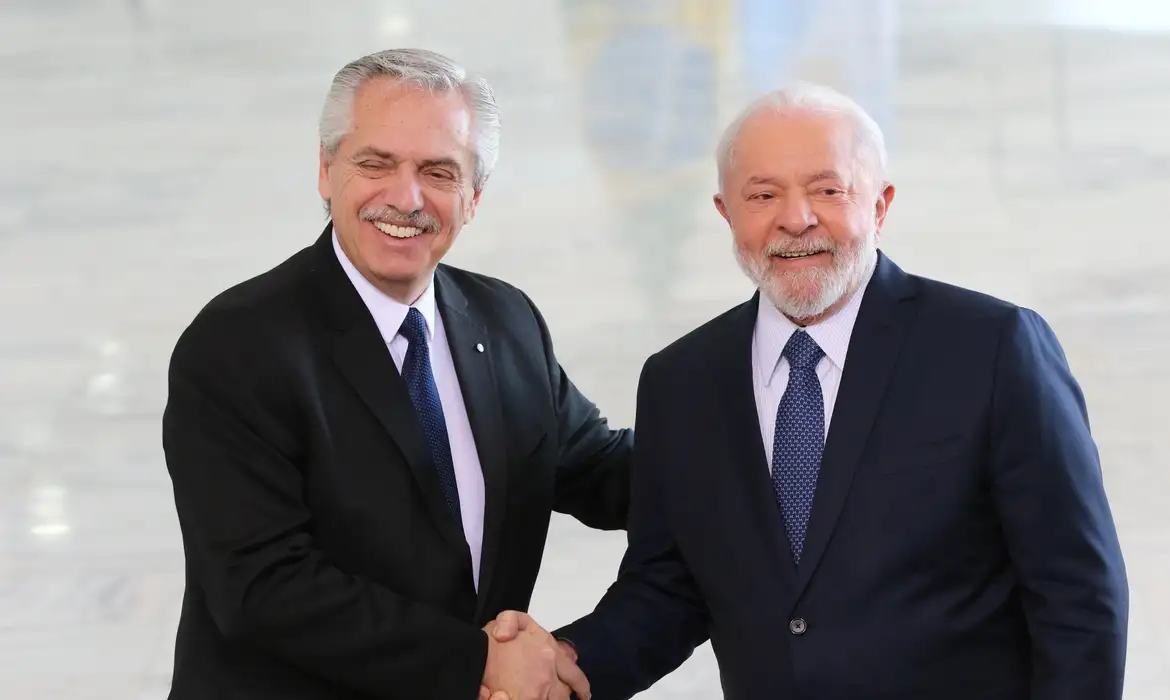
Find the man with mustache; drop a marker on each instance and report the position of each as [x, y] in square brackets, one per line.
[366, 445]
[861, 484]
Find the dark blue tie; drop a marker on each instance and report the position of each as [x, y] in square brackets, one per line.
[424, 394]
[799, 439]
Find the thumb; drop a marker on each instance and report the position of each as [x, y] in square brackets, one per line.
[508, 625]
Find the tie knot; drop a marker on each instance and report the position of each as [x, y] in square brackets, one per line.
[802, 351]
[414, 328]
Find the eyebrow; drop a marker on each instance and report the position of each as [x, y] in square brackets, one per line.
[826, 175]
[761, 180]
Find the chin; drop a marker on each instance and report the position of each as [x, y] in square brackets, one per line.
[801, 290]
[797, 306]
[799, 296]
[800, 286]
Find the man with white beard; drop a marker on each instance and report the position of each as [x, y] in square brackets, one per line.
[861, 483]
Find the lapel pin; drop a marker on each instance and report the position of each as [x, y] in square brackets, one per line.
[479, 347]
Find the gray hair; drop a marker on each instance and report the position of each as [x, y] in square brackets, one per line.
[427, 70]
[812, 99]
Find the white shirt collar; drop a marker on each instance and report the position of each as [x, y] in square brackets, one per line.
[773, 329]
[388, 313]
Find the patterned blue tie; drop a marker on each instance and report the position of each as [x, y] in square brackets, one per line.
[799, 439]
[424, 394]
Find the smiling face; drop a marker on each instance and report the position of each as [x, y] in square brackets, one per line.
[400, 184]
[804, 209]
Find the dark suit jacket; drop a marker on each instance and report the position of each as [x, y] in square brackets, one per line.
[322, 562]
[960, 544]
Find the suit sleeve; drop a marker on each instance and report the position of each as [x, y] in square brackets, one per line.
[653, 617]
[1049, 492]
[248, 537]
[593, 465]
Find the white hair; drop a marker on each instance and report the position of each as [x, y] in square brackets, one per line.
[807, 98]
[427, 70]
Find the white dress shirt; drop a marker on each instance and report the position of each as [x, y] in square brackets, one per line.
[388, 315]
[770, 367]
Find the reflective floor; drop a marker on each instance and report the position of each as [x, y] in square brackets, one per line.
[157, 151]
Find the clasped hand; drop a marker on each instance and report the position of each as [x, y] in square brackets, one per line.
[525, 662]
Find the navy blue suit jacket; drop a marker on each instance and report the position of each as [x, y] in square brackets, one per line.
[960, 545]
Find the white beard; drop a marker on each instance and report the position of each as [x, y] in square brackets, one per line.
[809, 293]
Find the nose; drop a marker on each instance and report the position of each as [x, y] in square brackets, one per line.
[403, 191]
[795, 215]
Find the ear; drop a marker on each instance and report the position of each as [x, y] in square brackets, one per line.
[472, 206]
[721, 206]
[323, 186]
[882, 205]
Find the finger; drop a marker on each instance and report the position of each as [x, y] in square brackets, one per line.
[498, 632]
[560, 692]
[510, 623]
[501, 632]
[500, 695]
[484, 693]
[568, 650]
[572, 674]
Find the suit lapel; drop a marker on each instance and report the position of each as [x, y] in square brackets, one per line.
[877, 338]
[361, 355]
[473, 354]
[748, 462]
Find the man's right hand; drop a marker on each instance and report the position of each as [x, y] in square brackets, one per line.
[521, 654]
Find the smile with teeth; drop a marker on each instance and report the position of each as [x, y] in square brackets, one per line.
[397, 231]
[789, 256]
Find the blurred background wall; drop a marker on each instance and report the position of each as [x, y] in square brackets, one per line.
[154, 152]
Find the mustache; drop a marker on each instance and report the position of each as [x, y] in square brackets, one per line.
[801, 246]
[390, 215]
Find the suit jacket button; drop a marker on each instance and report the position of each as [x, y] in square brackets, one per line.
[798, 626]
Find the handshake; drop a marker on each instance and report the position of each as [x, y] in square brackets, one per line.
[525, 662]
